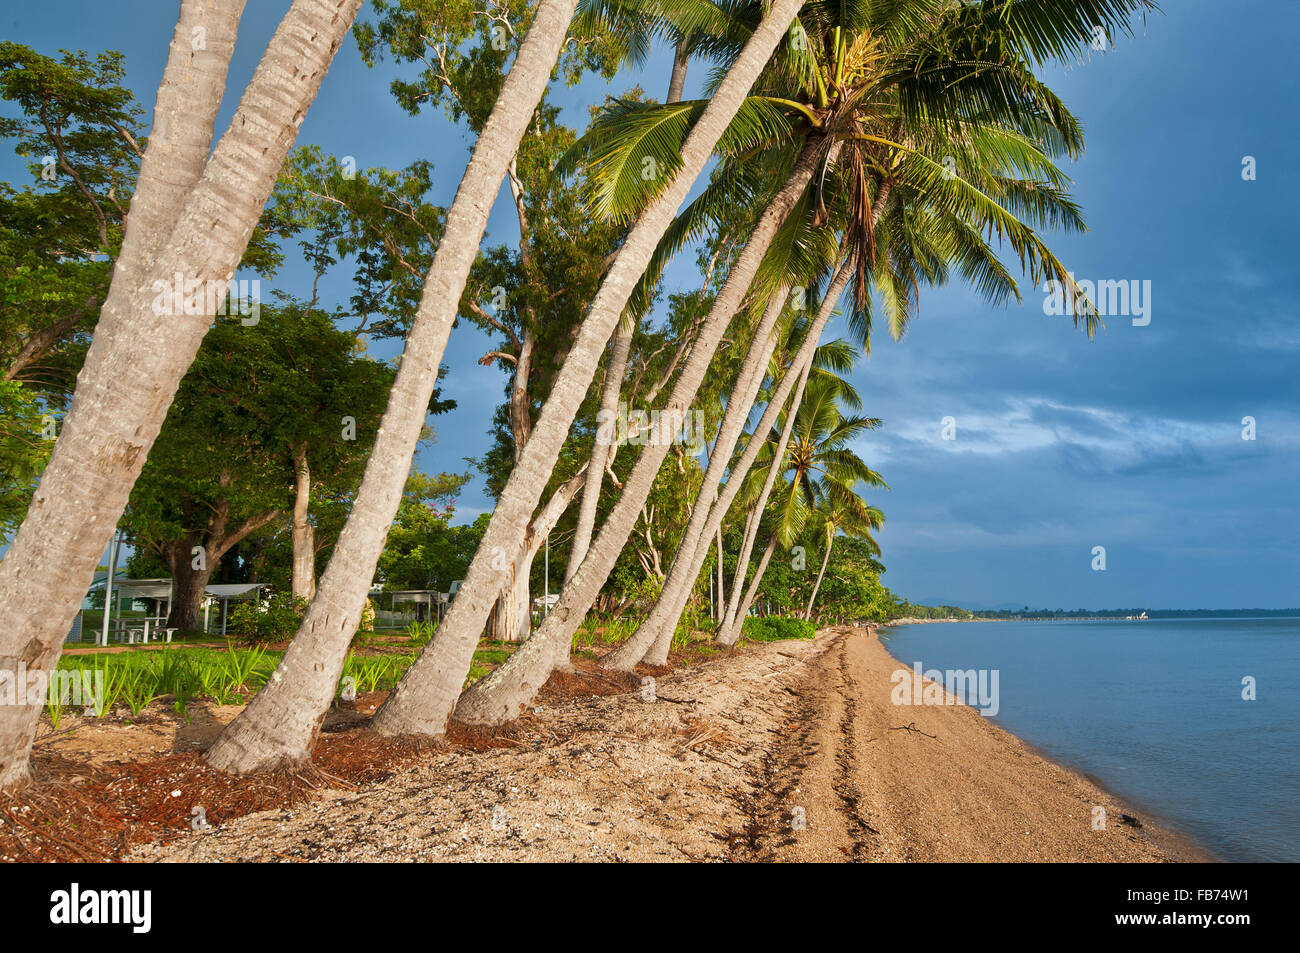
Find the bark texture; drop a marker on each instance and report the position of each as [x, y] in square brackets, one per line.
[424, 699]
[603, 446]
[123, 390]
[303, 533]
[280, 725]
[501, 695]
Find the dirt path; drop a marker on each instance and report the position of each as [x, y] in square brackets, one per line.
[775, 752]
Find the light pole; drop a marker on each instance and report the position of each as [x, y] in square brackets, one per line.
[114, 545]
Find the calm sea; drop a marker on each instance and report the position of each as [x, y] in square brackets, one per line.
[1154, 712]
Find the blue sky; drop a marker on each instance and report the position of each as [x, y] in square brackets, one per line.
[1132, 441]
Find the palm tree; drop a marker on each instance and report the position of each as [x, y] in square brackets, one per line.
[820, 463]
[424, 699]
[841, 512]
[1027, 113]
[193, 215]
[707, 519]
[635, 28]
[837, 359]
[279, 726]
[996, 145]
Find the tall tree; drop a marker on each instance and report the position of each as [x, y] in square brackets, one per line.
[424, 699]
[257, 407]
[838, 512]
[926, 75]
[191, 215]
[281, 723]
[820, 463]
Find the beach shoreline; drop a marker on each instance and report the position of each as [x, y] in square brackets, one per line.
[1178, 846]
[784, 751]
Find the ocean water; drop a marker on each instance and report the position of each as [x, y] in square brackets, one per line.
[1154, 712]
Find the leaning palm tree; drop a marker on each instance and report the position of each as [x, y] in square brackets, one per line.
[837, 359]
[424, 699]
[819, 462]
[636, 24]
[846, 85]
[192, 215]
[981, 94]
[838, 512]
[280, 725]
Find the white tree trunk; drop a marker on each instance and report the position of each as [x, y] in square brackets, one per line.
[427, 694]
[751, 525]
[677, 82]
[519, 609]
[656, 631]
[303, 534]
[140, 352]
[807, 613]
[603, 446]
[768, 420]
[501, 695]
[732, 635]
[279, 726]
[602, 450]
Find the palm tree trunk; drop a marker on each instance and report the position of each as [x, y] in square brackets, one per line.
[185, 112]
[661, 622]
[732, 636]
[303, 533]
[519, 609]
[602, 452]
[124, 389]
[280, 724]
[424, 699]
[721, 573]
[807, 613]
[603, 446]
[768, 420]
[500, 696]
[751, 526]
[677, 83]
[658, 652]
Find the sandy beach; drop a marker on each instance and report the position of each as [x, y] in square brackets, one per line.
[788, 751]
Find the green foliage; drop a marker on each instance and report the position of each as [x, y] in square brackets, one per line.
[773, 628]
[273, 619]
[78, 126]
[137, 679]
[24, 451]
[256, 399]
[424, 551]
[421, 633]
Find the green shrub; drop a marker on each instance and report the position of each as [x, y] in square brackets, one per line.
[773, 628]
[270, 620]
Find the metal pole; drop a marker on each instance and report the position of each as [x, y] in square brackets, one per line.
[113, 545]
